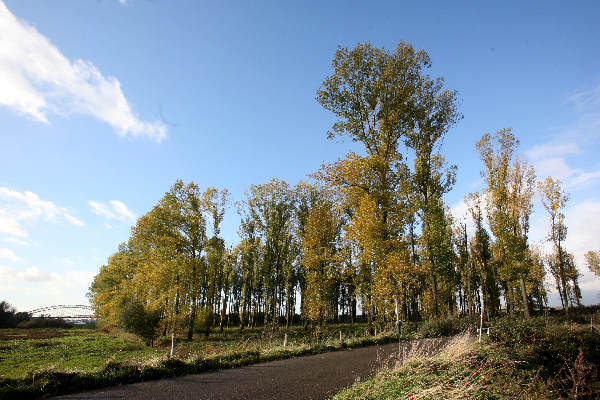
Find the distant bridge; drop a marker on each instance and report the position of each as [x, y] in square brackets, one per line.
[68, 312]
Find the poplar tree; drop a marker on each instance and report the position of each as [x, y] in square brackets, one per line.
[561, 263]
[510, 185]
[593, 261]
[383, 99]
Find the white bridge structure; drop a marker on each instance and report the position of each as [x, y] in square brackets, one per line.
[73, 313]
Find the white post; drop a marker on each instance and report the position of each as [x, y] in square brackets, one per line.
[340, 336]
[172, 345]
[481, 318]
[285, 339]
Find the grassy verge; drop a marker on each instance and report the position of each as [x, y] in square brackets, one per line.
[535, 359]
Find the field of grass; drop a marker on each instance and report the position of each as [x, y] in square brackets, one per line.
[85, 349]
[26, 351]
[37, 363]
[542, 358]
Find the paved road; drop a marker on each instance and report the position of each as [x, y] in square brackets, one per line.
[310, 377]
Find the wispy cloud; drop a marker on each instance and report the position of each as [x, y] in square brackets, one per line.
[550, 159]
[115, 209]
[8, 254]
[17, 208]
[19, 242]
[67, 261]
[552, 149]
[37, 79]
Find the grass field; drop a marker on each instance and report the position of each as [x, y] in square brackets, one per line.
[76, 349]
[38, 363]
[86, 349]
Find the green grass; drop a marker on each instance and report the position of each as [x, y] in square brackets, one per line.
[72, 350]
[41, 362]
[58, 361]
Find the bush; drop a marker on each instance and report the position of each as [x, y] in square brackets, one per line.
[134, 318]
[9, 317]
[448, 326]
[203, 320]
[565, 357]
[44, 322]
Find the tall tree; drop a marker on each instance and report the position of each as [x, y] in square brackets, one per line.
[270, 207]
[510, 186]
[481, 255]
[554, 199]
[320, 245]
[381, 97]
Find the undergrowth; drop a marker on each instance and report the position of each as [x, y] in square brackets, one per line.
[527, 359]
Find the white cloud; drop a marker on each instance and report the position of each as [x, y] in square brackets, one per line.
[31, 274]
[583, 222]
[549, 160]
[36, 78]
[19, 242]
[114, 210]
[8, 254]
[122, 210]
[101, 209]
[584, 178]
[17, 208]
[554, 166]
[73, 278]
[552, 149]
[10, 226]
[66, 261]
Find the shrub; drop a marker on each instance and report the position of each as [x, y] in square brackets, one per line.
[203, 321]
[447, 326]
[9, 317]
[134, 318]
[44, 322]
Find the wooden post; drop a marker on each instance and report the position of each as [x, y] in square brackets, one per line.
[341, 336]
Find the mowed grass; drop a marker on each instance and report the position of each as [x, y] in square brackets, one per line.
[27, 351]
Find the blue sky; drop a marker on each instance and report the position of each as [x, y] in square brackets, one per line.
[104, 104]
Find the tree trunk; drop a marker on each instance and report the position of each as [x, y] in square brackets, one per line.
[524, 294]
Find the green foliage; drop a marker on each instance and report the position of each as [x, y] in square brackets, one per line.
[203, 321]
[133, 317]
[9, 317]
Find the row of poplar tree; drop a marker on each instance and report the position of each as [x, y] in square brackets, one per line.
[368, 235]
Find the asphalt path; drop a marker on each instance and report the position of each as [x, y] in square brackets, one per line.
[309, 377]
